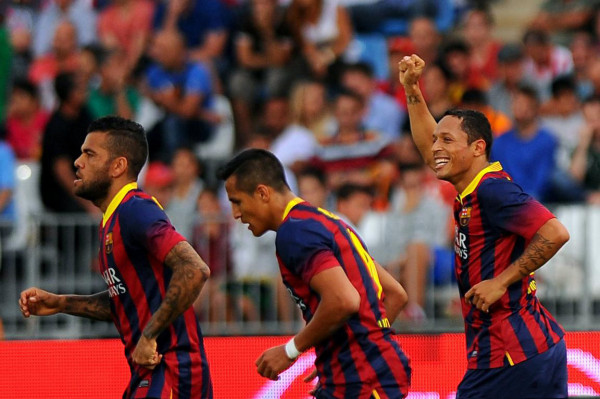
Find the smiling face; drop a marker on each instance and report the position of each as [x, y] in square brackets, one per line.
[251, 209]
[93, 179]
[453, 156]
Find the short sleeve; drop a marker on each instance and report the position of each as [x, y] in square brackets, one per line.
[7, 168]
[305, 247]
[146, 224]
[506, 206]
[198, 80]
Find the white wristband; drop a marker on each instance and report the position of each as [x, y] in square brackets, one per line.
[291, 351]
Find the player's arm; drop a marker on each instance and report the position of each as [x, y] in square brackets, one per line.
[395, 297]
[35, 301]
[422, 123]
[544, 244]
[339, 300]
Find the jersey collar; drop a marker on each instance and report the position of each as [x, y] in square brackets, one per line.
[290, 205]
[494, 167]
[114, 203]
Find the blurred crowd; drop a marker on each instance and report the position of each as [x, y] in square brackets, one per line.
[315, 82]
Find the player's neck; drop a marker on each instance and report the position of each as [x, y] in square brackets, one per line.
[280, 206]
[463, 182]
[112, 192]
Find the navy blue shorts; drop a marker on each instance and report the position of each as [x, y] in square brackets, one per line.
[542, 376]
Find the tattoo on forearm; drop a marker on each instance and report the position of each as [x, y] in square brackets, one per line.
[189, 274]
[539, 250]
[96, 306]
[412, 99]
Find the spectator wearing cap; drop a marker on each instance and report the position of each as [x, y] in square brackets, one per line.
[398, 47]
[158, 182]
[544, 61]
[511, 74]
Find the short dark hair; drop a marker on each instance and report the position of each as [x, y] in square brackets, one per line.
[253, 167]
[528, 91]
[346, 92]
[361, 67]
[475, 125]
[312, 171]
[25, 86]
[64, 84]
[563, 84]
[347, 190]
[126, 139]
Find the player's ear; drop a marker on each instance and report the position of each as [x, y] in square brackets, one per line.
[119, 165]
[480, 147]
[263, 192]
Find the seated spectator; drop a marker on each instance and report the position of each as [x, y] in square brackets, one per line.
[455, 54]
[544, 61]
[353, 202]
[353, 154]
[263, 48]
[563, 17]
[511, 75]
[382, 113]
[476, 99]
[398, 48]
[425, 38]
[26, 121]
[8, 212]
[126, 25]
[322, 30]
[528, 151]
[184, 90]
[478, 24]
[310, 108]
[113, 95]
[583, 52]
[158, 182]
[61, 145]
[56, 12]
[436, 86]
[64, 57]
[20, 19]
[186, 188]
[202, 23]
[312, 187]
[585, 165]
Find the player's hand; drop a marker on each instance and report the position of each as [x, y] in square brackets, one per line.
[272, 362]
[145, 353]
[309, 378]
[410, 69]
[35, 301]
[484, 294]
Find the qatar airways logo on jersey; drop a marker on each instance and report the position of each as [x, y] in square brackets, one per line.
[115, 286]
[460, 244]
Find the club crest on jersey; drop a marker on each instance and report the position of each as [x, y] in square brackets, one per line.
[108, 243]
[465, 216]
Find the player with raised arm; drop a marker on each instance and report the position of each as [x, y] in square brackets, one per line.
[153, 275]
[515, 348]
[347, 299]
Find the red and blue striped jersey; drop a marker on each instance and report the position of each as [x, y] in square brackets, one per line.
[136, 237]
[494, 222]
[361, 357]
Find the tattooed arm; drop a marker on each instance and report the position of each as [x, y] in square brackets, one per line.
[422, 123]
[189, 275]
[544, 244]
[35, 301]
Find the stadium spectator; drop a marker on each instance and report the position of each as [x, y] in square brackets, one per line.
[511, 74]
[528, 151]
[583, 52]
[312, 187]
[310, 108]
[425, 38]
[20, 19]
[336, 301]
[64, 57]
[352, 203]
[126, 25]
[382, 113]
[8, 213]
[187, 186]
[585, 165]
[477, 30]
[25, 121]
[544, 61]
[203, 24]
[113, 95]
[263, 48]
[5, 68]
[61, 145]
[184, 90]
[397, 48]
[436, 81]
[455, 54]
[477, 99]
[158, 182]
[562, 18]
[139, 249]
[56, 12]
[353, 154]
[322, 31]
[502, 236]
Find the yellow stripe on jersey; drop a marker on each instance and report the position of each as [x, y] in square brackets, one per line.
[371, 268]
[510, 361]
[375, 395]
[114, 203]
[495, 167]
[290, 205]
